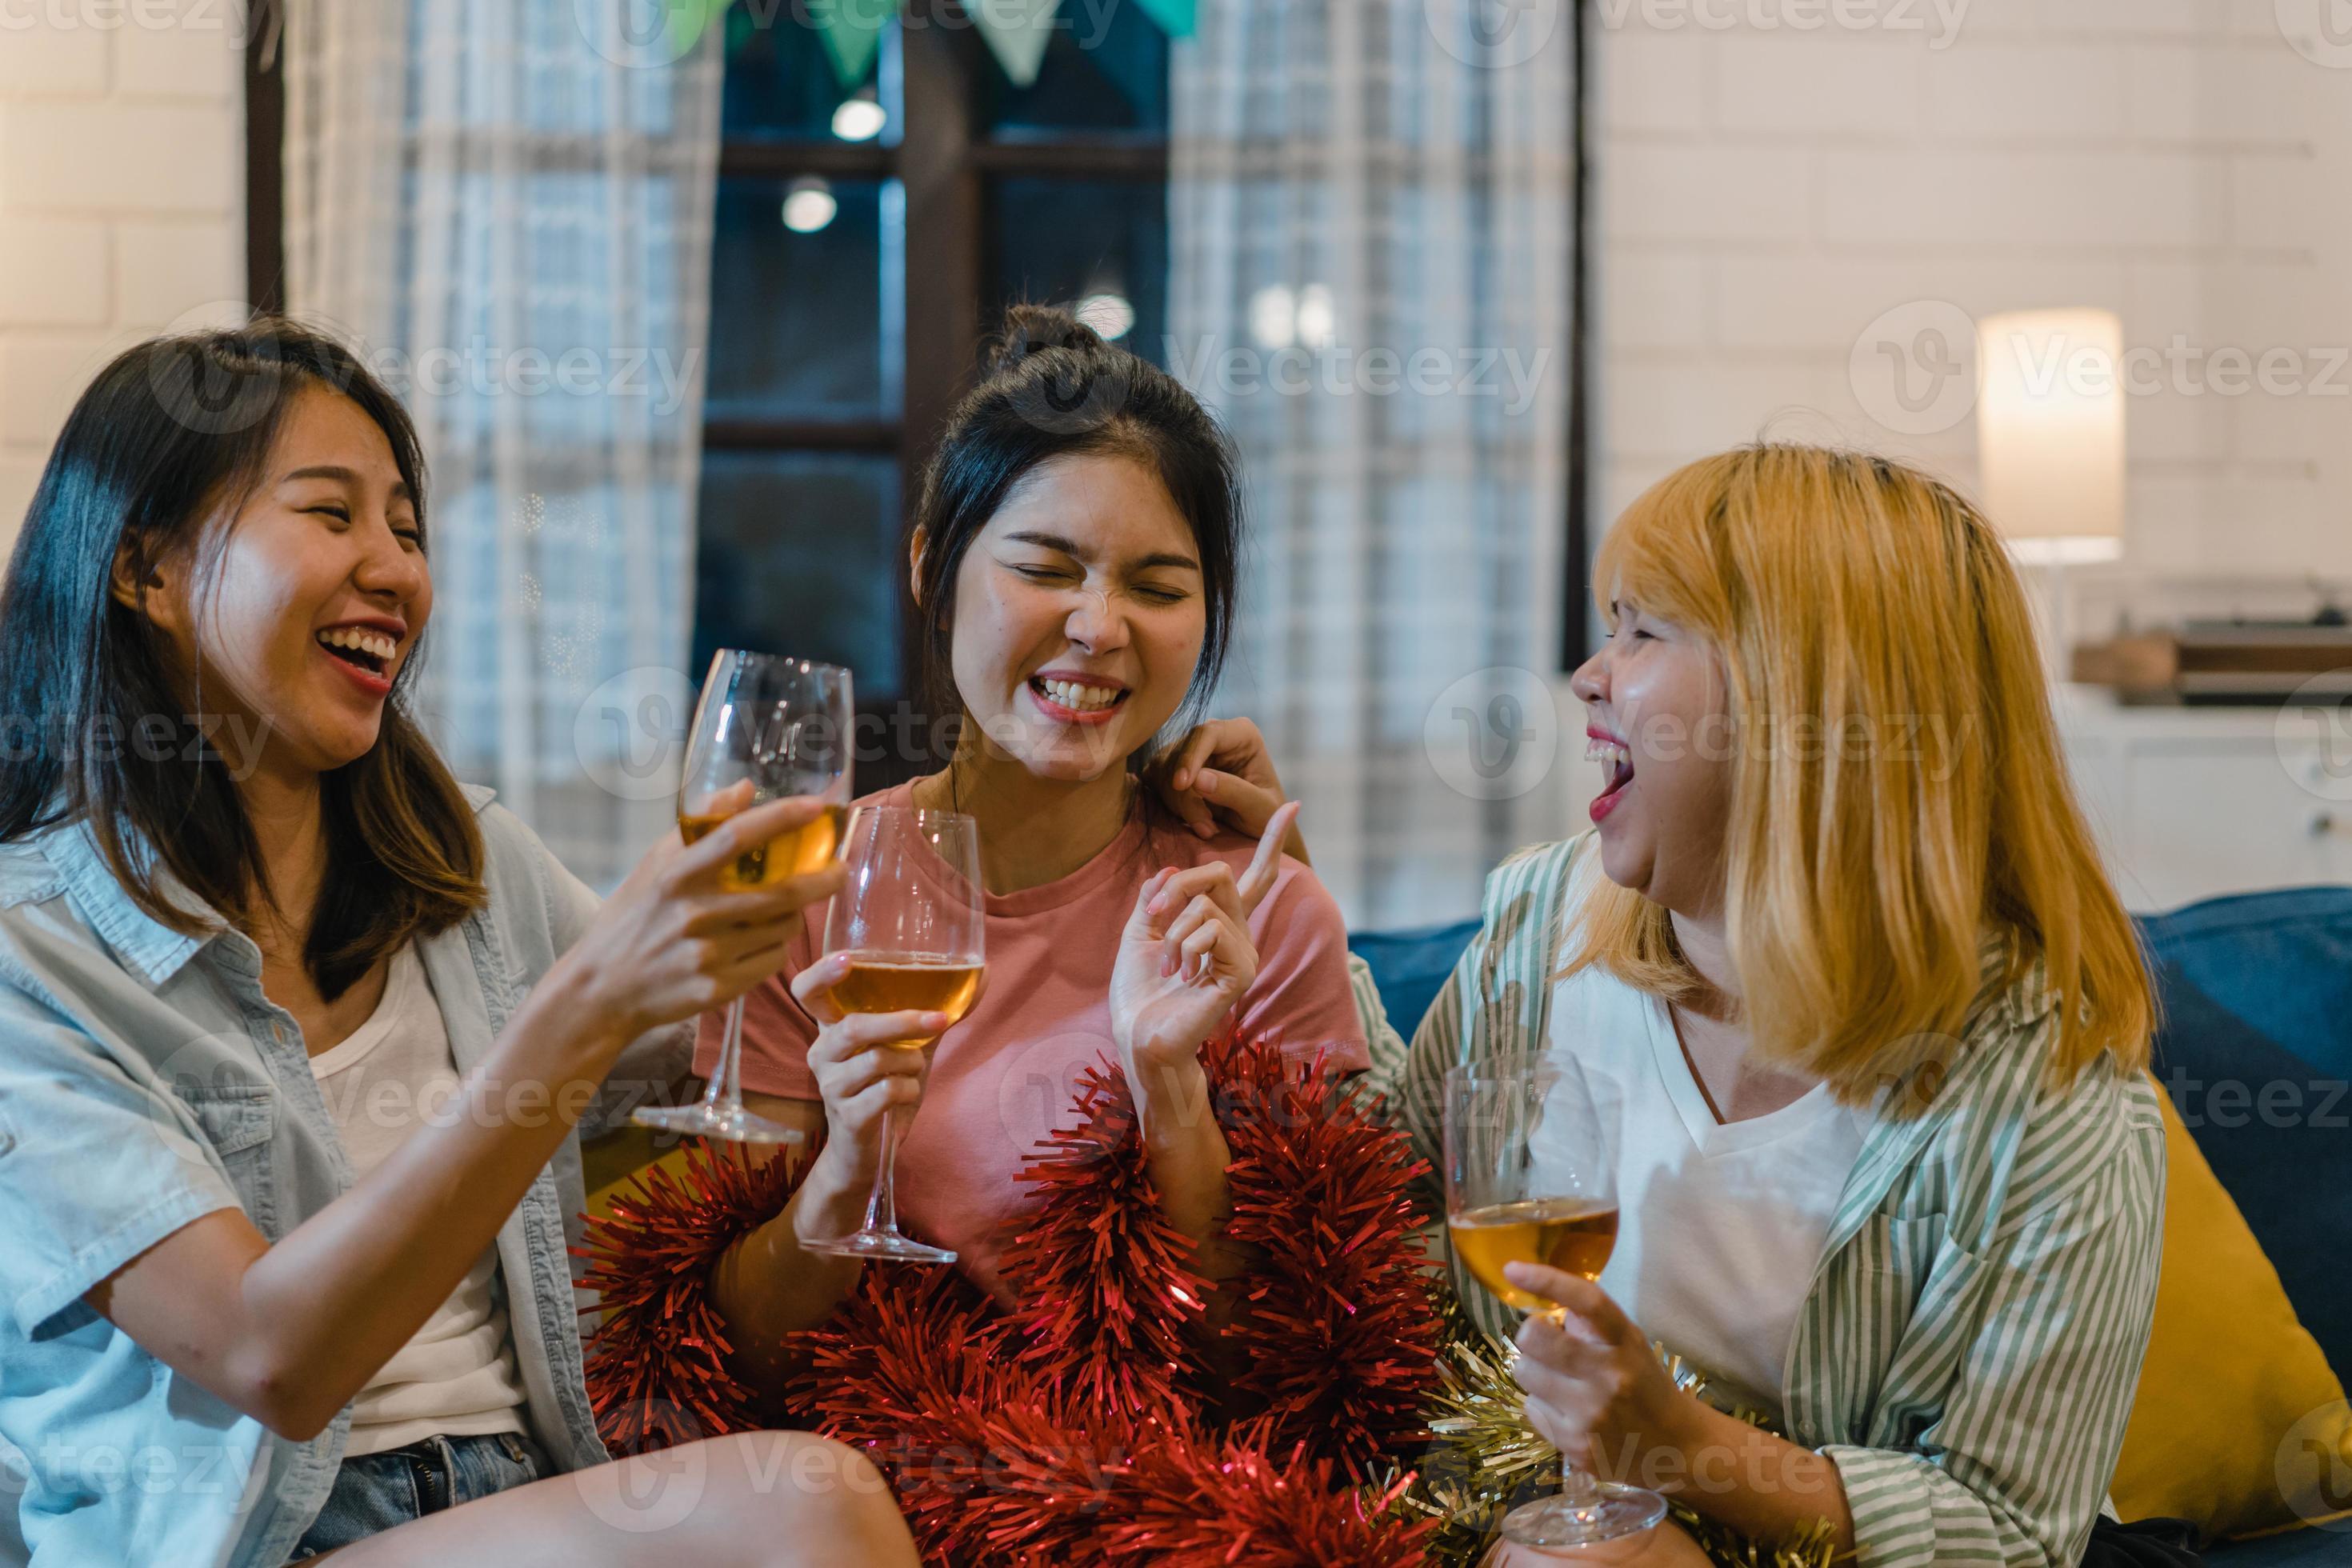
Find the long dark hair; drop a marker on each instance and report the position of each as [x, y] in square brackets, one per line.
[170, 433]
[1052, 388]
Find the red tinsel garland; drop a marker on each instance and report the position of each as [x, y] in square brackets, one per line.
[1082, 1427]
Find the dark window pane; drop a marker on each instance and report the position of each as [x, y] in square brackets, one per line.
[806, 325]
[1106, 69]
[780, 83]
[1060, 241]
[798, 555]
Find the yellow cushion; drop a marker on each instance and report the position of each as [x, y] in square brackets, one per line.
[611, 1163]
[2234, 1384]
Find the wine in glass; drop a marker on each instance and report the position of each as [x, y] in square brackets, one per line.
[1531, 1177]
[765, 727]
[912, 921]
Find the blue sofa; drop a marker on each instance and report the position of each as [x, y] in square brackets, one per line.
[2255, 1048]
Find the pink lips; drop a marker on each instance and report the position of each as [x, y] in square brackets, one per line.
[1063, 715]
[374, 684]
[1609, 799]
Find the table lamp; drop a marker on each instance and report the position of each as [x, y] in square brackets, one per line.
[2050, 443]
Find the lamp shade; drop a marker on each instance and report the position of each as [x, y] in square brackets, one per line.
[2050, 431]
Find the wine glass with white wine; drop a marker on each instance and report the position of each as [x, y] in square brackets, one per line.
[765, 727]
[1531, 1177]
[912, 921]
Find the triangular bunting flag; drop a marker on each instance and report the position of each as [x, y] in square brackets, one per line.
[687, 21]
[852, 32]
[1177, 18]
[1017, 32]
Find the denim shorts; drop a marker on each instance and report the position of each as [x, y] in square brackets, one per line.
[376, 1492]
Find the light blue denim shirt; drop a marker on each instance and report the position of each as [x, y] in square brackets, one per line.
[145, 1080]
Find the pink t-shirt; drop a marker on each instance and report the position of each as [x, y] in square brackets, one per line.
[1004, 1078]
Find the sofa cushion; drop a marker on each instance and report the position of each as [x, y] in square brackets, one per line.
[1410, 966]
[2255, 1051]
[2232, 1381]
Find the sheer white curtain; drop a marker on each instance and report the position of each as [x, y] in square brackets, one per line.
[507, 207]
[1370, 215]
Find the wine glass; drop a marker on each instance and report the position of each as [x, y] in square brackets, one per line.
[911, 920]
[765, 727]
[1531, 1177]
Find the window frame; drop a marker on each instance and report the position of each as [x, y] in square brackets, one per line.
[943, 162]
[943, 167]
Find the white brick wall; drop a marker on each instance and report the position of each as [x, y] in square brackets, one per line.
[121, 197]
[1766, 192]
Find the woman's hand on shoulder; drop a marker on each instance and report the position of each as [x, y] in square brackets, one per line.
[1186, 954]
[674, 940]
[1221, 774]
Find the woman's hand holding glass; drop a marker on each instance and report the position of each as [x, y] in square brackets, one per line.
[860, 1076]
[1531, 1213]
[681, 936]
[1595, 1387]
[910, 927]
[764, 727]
[1187, 955]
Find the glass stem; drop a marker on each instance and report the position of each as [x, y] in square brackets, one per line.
[725, 1090]
[882, 1208]
[1578, 1485]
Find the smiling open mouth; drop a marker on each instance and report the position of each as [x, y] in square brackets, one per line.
[361, 650]
[1616, 760]
[1077, 697]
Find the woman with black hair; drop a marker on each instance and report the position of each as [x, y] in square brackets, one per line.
[295, 1033]
[1074, 561]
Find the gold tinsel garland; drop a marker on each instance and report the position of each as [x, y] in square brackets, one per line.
[1485, 1460]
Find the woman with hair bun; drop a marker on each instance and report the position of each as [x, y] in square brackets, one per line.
[1075, 559]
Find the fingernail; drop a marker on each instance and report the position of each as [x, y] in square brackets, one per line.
[1167, 966]
[1183, 777]
[1204, 830]
[1208, 785]
[935, 1022]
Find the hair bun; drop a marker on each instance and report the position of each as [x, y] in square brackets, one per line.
[1031, 330]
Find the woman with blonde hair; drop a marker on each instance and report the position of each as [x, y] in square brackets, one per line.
[1839, 954]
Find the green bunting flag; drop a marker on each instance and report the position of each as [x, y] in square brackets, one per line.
[687, 21]
[852, 32]
[1177, 18]
[1017, 32]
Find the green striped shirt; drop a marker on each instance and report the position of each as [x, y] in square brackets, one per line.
[1969, 1348]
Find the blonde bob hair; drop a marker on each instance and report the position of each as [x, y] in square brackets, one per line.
[1899, 807]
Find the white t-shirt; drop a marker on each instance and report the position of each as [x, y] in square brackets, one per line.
[1719, 1226]
[457, 1376]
